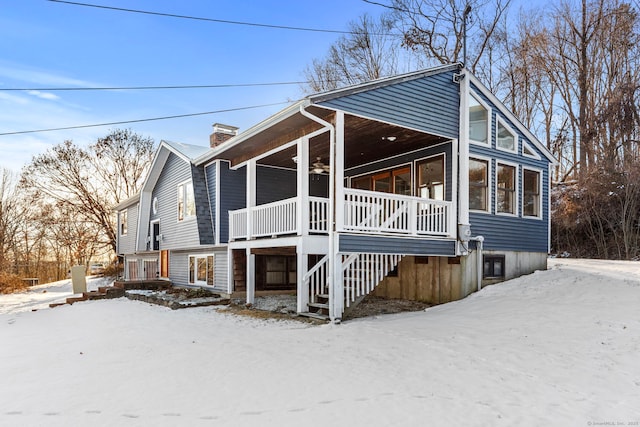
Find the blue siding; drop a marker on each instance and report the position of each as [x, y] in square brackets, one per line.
[203, 212]
[179, 267]
[212, 185]
[395, 245]
[430, 104]
[176, 234]
[509, 232]
[232, 188]
[407, 158]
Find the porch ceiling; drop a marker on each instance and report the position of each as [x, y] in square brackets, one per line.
[365, 141]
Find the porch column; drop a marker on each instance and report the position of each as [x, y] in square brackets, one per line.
[303, 186]
[302, 267]
[251, 195]
[338, 203]
[251, 277]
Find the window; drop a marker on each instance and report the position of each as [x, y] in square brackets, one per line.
[478, 120]
[201, 270]
[493, 267]
[531, 193]
[186, 201]
[431, 178]
[396, 181]
[506, 138]
[478, 185]
[506, 189]
[528, 151]
[123, 223]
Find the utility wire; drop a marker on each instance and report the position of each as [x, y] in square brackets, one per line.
[53, 89]
[143, 120]
[222, 21]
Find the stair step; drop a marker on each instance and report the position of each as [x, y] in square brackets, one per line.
[94, 295]
[315, 315]
[56, 304]
[71, 300]
[318, 305]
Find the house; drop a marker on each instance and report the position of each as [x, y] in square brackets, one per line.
[420, 186]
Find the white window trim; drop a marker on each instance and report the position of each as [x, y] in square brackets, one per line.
[120, 214]
[500, 121]
[197, 282]
[489, 121]
[184, 200]
[489, 182]
[516, 188]
[530, 148]
[539, 171]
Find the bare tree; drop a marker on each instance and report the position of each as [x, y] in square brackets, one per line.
[9, 218]
[370, 52]
[86, 183]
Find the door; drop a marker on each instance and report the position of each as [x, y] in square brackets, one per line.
[164, 263]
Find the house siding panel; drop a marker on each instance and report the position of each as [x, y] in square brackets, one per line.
[203, 212]
[393, 245]
[127, 243]
[232, 188]
[212, 186]
[179, 267]
[511, 233]
[430, 104]
[176, 234]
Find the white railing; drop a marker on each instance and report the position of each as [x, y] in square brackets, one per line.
[383, 213]
[318, 215]
[315, 280]
[363, 272]
[277, 218]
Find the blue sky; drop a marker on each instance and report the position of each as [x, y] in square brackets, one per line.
[46, 44]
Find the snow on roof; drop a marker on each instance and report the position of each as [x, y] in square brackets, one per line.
[188, 150]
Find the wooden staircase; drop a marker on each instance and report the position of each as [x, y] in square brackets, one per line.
[361, 273]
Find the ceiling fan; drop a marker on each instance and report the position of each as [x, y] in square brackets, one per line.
[318, 167]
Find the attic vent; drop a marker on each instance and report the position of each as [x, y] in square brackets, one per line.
[221, 133]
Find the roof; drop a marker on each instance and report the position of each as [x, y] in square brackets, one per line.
[187, 150]
[126, 203]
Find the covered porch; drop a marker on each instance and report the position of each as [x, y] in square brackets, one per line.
[339, 174]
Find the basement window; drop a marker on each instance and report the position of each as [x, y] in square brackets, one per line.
[493, 267]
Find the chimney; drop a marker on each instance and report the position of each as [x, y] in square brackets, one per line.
[221, 133]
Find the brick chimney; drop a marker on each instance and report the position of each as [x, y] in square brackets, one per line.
[221, 133]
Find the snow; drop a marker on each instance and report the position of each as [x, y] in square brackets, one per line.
[555, 348]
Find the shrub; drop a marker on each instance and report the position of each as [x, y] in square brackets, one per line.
[10, 283]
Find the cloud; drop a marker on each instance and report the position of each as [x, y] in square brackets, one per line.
[22, 73]
[43, 95]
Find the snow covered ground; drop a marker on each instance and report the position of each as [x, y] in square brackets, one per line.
[555, 348]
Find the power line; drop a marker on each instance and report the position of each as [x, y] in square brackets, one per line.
[221, 21]
[143, 120]
[53, 89]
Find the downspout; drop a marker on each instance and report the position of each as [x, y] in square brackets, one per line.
[479, 240]
[335, 317]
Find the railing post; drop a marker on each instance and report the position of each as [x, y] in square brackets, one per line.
[251, 196]
[413, 217]
[303, 187]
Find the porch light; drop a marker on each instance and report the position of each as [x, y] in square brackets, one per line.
[294, 159]
[389, 138]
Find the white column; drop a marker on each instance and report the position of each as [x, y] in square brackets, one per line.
[251, 195]
[302, 268]
[339, 170]
[303, 186]
[338, 202]
[251, 277]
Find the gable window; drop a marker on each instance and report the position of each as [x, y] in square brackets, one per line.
[478, 120]
[531, 193]
[506, 189]
[201, 270]
[528, 151]
[123, 223]
[431, 178]
[186, 201]
[493, 267]
[478, 184]
[506, 138]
